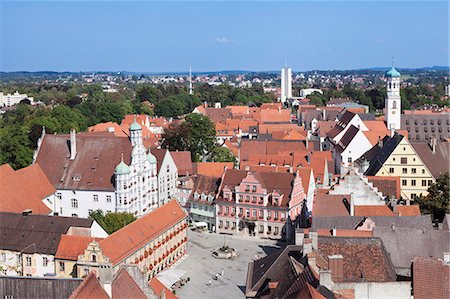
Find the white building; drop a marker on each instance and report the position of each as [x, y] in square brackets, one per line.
[167, 175]
[34, 239]
[286, 84]
[136, 184]
[7, 100]
[82, 169]
[307, 91]
[393, 105]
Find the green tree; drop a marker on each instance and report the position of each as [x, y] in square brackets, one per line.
[202, 135]
[176, 137]
[15, 147]
[68, 119]
[436, 202]
[222, 154]
[112, 222]
[169, 108]
[146, 92]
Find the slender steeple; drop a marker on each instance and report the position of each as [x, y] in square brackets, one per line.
[191, 91]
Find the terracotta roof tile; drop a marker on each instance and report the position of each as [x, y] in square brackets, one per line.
[431, 278]
[24, 189]
[124, 287]
[89, 288]
[158, 287]
[125, 241]
[94, 163]
[412, 210]
[271, 147]
[211, 169]
[70, 247]
[183, 162]
[118, 130]
[389, 186]
[373, 211]
[365, 259]
[375, 136]
[326, 205]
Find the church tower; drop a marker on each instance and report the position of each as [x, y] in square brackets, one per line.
[393, 100]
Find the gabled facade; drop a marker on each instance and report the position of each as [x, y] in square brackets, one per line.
[167, 175]
[258, 204]
[201, 201]
[153, 243]
[394, 156]
[136, 184]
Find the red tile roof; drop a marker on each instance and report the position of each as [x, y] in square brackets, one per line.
[270, 128]
[212, 169]
[183, 162]
[97, 156]
[120, 131]
[271, 147]
[373, 211]
[125, 241]
[24, 189]
[158, 287]
[431, 278]
[364, 259]
[412, 210]
[70, 247]
[272, 115]
[326, 205]
[124, 287]
[389, 186]
[89, 288]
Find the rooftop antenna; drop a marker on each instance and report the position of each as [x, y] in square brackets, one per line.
[393, 60]
[190, 81]
[285, 63]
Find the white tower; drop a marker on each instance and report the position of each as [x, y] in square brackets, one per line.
[393, 101]
[191, 91]
[286, 84]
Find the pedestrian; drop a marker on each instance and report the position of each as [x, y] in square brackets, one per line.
[221, 272]
[209, 282]
[217, 276]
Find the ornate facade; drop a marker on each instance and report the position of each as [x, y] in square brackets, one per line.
[259, 204]
[137, 183]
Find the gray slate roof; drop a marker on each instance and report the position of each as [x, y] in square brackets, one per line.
[352, 222]
[404, 243]
[36, 233]
[33, 287]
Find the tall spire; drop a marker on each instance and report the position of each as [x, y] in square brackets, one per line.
[190, 81]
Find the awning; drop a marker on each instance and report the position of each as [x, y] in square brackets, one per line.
[170, 277]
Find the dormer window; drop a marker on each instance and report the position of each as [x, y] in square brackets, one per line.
[195, 195]
[275, 201]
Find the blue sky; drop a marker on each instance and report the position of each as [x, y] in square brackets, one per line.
[170, 36]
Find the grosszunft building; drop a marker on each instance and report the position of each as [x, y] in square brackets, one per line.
[153, 243]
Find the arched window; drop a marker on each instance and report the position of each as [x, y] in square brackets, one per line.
[394, 105]
[390, 85]
[74, 203]
[94, 258]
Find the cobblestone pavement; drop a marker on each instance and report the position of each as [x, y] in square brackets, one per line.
[201, 266]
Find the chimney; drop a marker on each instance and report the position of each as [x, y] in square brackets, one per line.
[336, 266]
[392, 132]
[433, 144]
[380, 142]
[447, 257]
[314, 240]
[325, 278]
[352, 205]
[26, 212]
[333, 231]
[73, 144]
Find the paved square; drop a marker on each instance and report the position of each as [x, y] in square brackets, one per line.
[200, 266]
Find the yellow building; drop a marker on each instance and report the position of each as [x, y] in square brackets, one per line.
[394, 156]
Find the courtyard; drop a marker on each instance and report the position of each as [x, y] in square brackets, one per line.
[201, 266]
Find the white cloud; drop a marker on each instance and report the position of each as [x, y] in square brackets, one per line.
[222, 40]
